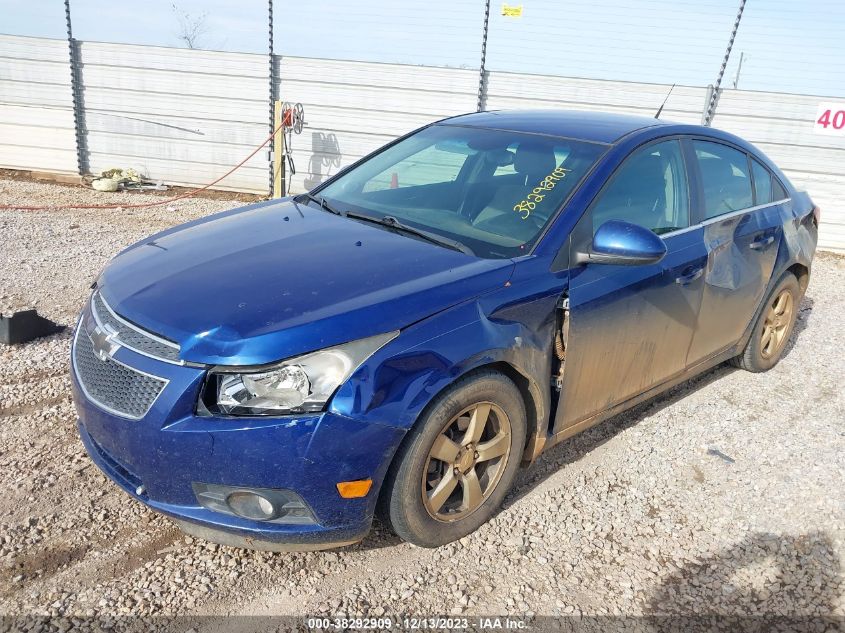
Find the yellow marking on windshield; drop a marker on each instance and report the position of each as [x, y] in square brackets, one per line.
[526, 206]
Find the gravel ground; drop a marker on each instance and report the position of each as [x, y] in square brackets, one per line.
[724, 496]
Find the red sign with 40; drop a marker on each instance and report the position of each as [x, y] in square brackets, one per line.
[830, 119]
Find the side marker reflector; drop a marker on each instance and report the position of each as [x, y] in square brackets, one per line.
[354, 489]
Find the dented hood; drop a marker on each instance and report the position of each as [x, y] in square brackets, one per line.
[273, 280]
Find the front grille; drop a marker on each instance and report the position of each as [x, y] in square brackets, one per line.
[131, 336]
[112, 385]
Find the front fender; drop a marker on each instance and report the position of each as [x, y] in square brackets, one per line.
[506, 328]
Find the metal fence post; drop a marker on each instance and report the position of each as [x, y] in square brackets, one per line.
[708, 97]
[482, 87]
[76, 93]
[710, 111]
[272, 67]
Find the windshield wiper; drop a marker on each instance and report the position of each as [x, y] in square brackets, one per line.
[392, 223]
[323, 204]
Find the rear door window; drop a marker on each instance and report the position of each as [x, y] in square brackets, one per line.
[762, 183]
[724, 178]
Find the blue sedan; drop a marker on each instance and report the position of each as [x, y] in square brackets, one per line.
[398, 341]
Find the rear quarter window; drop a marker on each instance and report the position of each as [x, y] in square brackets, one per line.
[762, 183]
[778, 192]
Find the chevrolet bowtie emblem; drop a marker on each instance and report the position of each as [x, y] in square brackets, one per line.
[103, 338]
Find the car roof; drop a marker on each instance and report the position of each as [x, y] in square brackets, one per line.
[600, 127]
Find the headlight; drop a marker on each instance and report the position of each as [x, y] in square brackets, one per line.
[297, 385]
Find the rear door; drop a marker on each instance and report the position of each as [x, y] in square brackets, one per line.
[630, 327]
[742, 228]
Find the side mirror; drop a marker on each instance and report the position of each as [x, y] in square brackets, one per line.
[624, 244]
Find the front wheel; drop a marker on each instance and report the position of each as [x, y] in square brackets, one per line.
[458, 462]
[773, 327]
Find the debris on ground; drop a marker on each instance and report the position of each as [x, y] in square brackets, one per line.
[116, 179]
[717, 453]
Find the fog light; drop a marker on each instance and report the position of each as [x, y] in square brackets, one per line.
[251, 506]
[256, 504]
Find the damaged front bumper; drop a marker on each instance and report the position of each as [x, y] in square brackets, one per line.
[159, 458]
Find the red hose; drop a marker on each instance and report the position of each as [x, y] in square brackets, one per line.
[187, 194]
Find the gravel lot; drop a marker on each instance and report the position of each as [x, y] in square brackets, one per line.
[723, 497]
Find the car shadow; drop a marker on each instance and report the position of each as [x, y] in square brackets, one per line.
[575, 448]
[578, 446]
[380, 536]
[805, 310]
[764, 582]
[566, 453]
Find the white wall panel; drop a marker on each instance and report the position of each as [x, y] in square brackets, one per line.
[353, 108]
[37, 95]
[27, 157]
[180, 59]
[33, 48]
[181, 116]
[513, 91]
[36, 106]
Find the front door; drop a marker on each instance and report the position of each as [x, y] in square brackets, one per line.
[631, 326]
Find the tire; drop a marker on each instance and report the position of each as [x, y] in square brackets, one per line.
[416, 501]
[772, 330]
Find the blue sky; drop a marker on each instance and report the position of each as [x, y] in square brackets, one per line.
[789, 46]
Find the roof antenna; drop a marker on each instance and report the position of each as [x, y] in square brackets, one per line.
[660, 109]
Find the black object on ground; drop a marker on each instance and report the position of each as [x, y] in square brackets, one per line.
[720, 454]
[25, 326]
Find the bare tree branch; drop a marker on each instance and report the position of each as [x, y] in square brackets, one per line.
[192, 28]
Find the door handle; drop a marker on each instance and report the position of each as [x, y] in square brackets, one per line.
[691, 277]
[762, 242]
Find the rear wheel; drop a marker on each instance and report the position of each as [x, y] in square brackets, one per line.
[773, 328]
[458, 462]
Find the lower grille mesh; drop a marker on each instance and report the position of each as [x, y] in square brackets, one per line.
[112, 385]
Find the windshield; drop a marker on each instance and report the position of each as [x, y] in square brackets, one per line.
[490, 190]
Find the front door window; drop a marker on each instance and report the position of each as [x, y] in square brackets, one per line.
[649, 190]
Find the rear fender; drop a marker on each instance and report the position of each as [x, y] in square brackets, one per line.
[797, 247]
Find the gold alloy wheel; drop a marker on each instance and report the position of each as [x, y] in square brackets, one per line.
[776, 325]
[466, 462]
